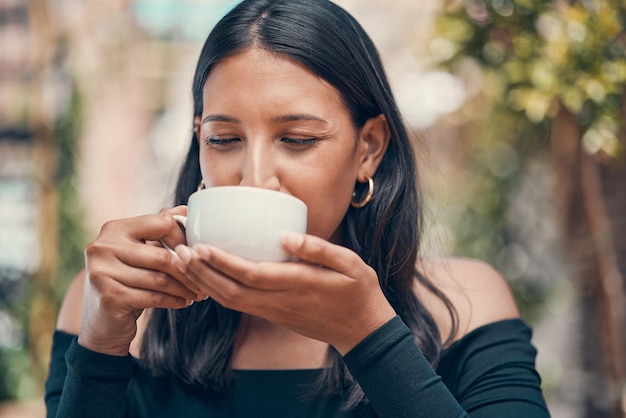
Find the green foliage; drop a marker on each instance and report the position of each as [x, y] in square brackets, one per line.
[540, 56]
[14, 383]
[19, 359]
[14, 357]
[72, 235]
[523, 62]
[497, 160]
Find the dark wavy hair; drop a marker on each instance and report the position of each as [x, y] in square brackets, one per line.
[196, 344]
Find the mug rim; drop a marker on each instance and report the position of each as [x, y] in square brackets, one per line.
[257, 190]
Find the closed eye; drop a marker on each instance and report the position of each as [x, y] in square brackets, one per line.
[216, 142]
[298, 141]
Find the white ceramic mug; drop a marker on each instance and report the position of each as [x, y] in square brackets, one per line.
[246, 221]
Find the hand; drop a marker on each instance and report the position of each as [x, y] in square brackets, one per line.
[330, 294]
[126, 274]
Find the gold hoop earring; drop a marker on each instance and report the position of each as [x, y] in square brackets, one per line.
[201, 186]
[368, 196]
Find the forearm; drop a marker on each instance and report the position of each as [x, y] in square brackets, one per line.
[396, 377]
[95, 385]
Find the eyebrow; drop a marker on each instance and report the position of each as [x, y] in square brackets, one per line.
[220, 118]
[278, 119]
[298, 117]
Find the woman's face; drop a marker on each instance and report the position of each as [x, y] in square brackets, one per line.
[269, 122]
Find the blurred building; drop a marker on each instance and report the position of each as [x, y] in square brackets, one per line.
[19, 249]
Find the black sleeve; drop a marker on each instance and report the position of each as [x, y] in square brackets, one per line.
[86, 384]
[399, 382]
[56, 374]
[396, 377]
[492, 373]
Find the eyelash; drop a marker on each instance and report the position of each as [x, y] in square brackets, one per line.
[308, 141]
[216, 141]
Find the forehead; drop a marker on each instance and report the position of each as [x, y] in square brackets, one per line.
[262, 78]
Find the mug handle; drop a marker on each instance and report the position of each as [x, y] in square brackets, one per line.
[182, 220]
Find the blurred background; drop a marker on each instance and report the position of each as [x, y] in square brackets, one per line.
[519, 117]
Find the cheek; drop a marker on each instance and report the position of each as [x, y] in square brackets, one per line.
[327, 205]
[326, 187]
[324, 223]
[218, 171]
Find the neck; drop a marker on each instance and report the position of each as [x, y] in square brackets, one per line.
[262, 344]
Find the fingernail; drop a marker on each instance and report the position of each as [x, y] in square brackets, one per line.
[181, 267]
[183, 253]
[202, 251]
[190, 302]
[292, 239]
[178, 263]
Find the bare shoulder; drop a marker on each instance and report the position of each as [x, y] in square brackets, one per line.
[477, 291]
[70, 314]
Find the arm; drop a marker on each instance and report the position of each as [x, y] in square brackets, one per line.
[83, 383]
[80, 380]
[123, 276]
[493, 363]
[309, 296]
[57, 372]
[67, 327]
[397, 379]
[493, 369]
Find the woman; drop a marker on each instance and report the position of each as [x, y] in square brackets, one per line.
[291, 96]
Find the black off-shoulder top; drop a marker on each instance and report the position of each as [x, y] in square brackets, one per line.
[490, 372]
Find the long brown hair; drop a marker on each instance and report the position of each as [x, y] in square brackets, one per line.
[196, 343]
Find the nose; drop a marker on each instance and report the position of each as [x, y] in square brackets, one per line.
[259, 167]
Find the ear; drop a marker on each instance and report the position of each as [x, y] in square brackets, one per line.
[197, 123]
[373, 141]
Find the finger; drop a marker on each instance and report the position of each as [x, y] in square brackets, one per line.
[224, 289]
[117, 295]
[176, 210]
[175, 235]
[156, 259]
[190, 275]
[257, 275]
[154, 227]
[152, 280]
[206, 276]
[228, 290]
[321, 252]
